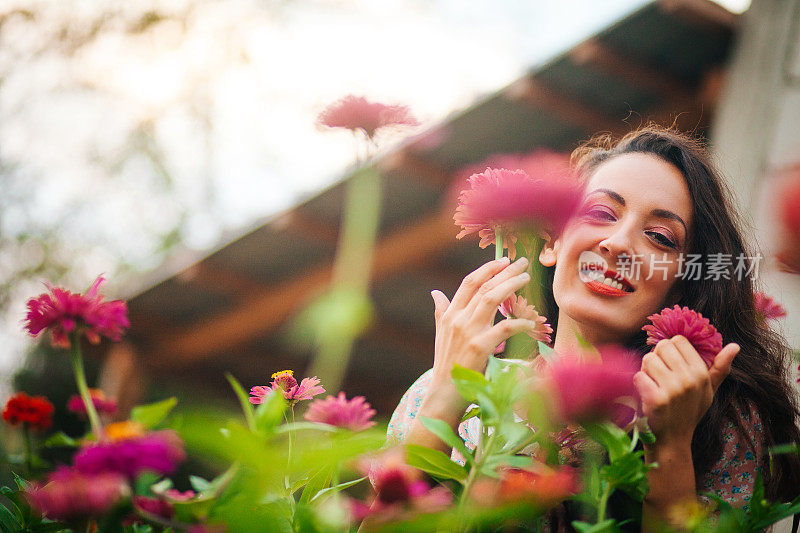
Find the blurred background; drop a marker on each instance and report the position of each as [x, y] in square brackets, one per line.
[172, 146]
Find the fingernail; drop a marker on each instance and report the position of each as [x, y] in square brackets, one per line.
[504, 260]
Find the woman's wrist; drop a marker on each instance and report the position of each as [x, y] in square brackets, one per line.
[673, 479]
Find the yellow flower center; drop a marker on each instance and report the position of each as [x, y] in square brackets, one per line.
[124, 430]
[282, 373]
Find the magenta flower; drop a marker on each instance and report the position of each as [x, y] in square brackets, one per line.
[356, 112]
[516, 306]
[63, 312]
[69, 494]
[287, 384]
[154, 506]
[683, 321]
[512, 201]
[159, 452]
[767, 307]
[588, 389]
[789, 214]
[353, 414]
[400, 491]
[101, 402]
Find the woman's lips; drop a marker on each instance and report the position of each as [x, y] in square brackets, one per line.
[606, 290]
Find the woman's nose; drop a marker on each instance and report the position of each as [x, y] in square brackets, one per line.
[617, 243]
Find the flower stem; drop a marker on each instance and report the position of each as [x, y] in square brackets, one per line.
[601, 512]
[26, 435]
[480, 458]
[83, 388]
[498, 243]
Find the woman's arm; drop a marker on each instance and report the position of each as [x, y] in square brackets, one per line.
[676, 388]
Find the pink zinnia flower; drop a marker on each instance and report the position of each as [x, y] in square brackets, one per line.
[400, 491]
[767, 307]
[101, 402]
[353, 414]
[516, 306]
[154, 506]
[356, 112]
[285, 382]
[159, 452]
[789, 254]
[36, 412]
[587, 389]
[69, 494]
[683, 321]
[513, 201]
[63, 312]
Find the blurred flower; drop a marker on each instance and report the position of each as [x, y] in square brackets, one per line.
[159, 452]
[356, 112]
[177, 496]
[400, 490]
[70, 494]
[353, 414]
[34, 411]
[539, 485]
[126, 429]
[62, 312]
[101, 402]
[512, 201]
[683, 321]
[768, 307]
[154, 506]
[517, 307]
[789, 254]
[588, 389]
[285, 382]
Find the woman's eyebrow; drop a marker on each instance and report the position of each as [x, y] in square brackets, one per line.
[661, 213]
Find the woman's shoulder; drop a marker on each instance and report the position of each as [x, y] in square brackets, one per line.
[407, 409]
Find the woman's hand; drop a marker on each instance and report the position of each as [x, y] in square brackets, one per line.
[677, 387]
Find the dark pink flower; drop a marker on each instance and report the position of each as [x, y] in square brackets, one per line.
[62, 312]
[175, 495]
[767, 307]
[513, 201]
[356, 112]
[287, 384]
[516, 306]
[36, 412]
[69, 494]
[400, 491]
[353, 414]
[154, 506]
[789, 213]
[683, 321]
[101, 402]
[159, 452]
[588, 388]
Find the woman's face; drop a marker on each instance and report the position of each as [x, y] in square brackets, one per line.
[633, 224]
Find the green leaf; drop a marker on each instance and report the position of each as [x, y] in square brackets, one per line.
[473, 412]
[784, 448]
[469, 383]
[628, 473]
[434, 462]
[270, 413]
[337, 488]
[317, 482]
[443, 430]
[199, 484]
[545, 350]
[606, 526]
[244, 401]
[60, 440]
[153, 414]
[8, 521]
[613, 439]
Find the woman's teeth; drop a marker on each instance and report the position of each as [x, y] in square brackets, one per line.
[598, 276]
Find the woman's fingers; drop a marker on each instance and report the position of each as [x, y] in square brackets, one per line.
[690, 354]
[505, 329]
[514, 269]
[673, 358]
[722, 364]
[486, 306]
[654, 366]
[440, 304]
[473, 281]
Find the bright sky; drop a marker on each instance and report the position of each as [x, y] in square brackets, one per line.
[262, 75]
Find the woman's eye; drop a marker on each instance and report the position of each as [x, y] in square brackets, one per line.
[599, 214]
[661, 239]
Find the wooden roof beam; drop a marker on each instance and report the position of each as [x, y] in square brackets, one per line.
[704, 14]
[267, 309]
[406, 162]
[214, 276]
[300, 221]
[532, 92]
[617, 65]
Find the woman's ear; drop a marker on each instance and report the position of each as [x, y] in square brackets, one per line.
[547, 255]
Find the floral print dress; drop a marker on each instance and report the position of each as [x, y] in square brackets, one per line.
[732, 477]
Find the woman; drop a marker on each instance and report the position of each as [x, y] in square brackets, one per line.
[651, 199]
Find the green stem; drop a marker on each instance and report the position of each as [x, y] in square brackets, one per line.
[83, 388]
[26, 435]
[601, 512]
[498, 243]
[480, 459]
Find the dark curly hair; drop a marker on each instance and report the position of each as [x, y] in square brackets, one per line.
[758, 377]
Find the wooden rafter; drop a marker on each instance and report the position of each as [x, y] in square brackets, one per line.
[414, 166]
[617, 65]
[705, 14]
[212, 275]
[264, 311]
[534, 93]
[300, 221]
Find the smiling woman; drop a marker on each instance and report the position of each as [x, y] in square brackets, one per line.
[650, 201]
